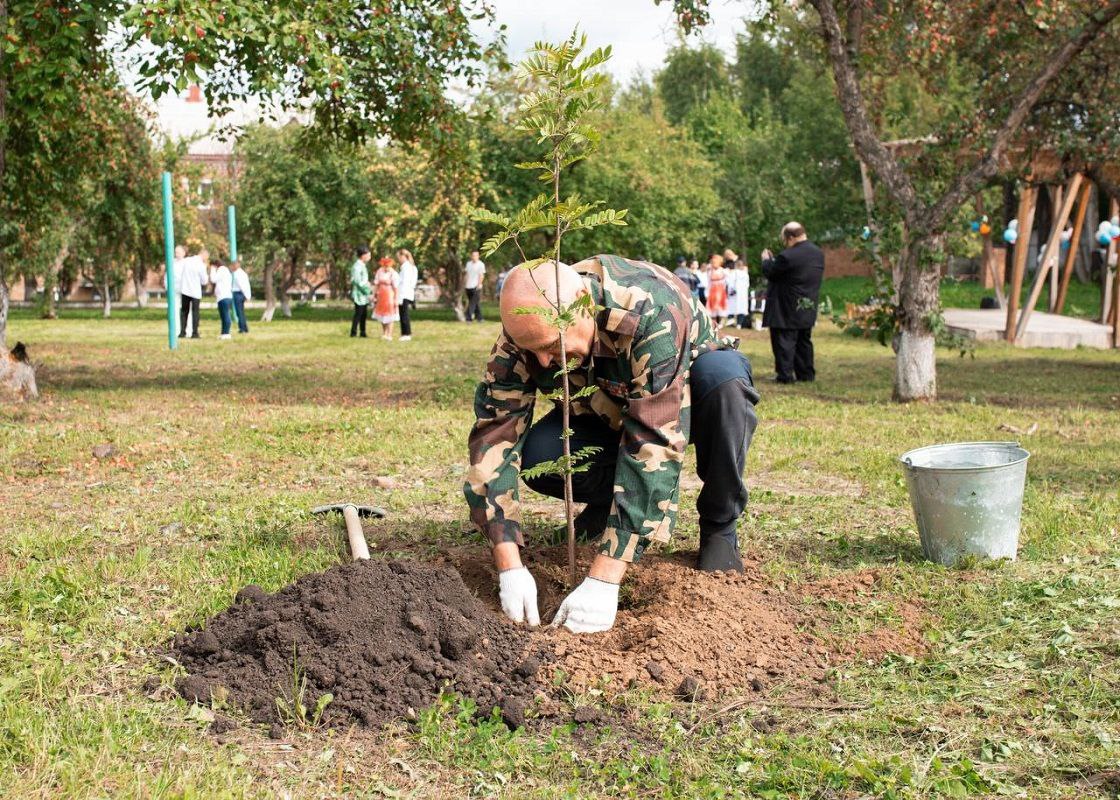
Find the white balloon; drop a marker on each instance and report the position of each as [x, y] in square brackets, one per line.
[1013, 225]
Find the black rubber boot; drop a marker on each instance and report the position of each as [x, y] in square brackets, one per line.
[719, 554]
[591, 522]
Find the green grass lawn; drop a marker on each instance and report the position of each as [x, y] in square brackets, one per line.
[222, 447]
[1084, 299]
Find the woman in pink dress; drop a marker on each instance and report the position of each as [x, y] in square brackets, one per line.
[717, 292]
[386, 288]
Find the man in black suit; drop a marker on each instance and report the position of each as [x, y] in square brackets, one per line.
[791, 303]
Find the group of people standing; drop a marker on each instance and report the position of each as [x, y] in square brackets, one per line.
[231, 291]
[788, 305]
[722, 284]
[392, 292]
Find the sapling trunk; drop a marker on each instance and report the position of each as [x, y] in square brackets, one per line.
[567, 439]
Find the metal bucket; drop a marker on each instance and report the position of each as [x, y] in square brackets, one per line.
[967, 498]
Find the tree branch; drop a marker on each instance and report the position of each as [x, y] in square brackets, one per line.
[1109, 187]
[855, 32]
[988, 165]
[864, 137]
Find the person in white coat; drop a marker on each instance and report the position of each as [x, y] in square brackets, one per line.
[409, 276]
[739, 281]
[193, 271]
[222, 279]
[241, 293]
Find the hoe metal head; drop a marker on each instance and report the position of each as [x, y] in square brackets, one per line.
[363, 511]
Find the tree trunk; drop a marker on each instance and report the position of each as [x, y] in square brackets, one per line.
[269, 291]
[50, 301]
[106, 300]
[917, 278]
[138, 275]
[288, 282]
[4, 302]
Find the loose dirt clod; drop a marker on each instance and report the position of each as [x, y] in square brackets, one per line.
[690, 689]
[383, 638]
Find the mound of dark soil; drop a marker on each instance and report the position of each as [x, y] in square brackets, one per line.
[384, 638]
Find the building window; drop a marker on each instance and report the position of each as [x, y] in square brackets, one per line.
[205, 193]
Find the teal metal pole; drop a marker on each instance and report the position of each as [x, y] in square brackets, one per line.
[169, 260]
[232, 234]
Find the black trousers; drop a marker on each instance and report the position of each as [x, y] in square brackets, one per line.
[406, 321]
[723, 423]
[358, 320]
[793, 354]
[474, 304]
[189, 306]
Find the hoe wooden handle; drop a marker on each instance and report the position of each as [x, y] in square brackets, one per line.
[355, 533]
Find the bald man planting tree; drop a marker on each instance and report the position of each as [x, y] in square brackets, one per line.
[651, 354]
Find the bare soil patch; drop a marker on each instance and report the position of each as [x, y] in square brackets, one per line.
[385, 638]
[692, 634]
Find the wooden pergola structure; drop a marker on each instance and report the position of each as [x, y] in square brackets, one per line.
[1072, 198]
[1071, 191]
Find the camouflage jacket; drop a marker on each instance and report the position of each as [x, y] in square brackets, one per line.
[649, 329]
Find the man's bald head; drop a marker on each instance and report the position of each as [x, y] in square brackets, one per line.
[536, 288]
[541, 287]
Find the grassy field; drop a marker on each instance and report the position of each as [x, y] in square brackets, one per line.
[1084, 299]
[221, 448]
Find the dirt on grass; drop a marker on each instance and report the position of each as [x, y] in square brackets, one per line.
[699, 635]
[384, 638]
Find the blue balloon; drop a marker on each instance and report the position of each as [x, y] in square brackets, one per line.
[1010, 235]
[1104, 238]
[866, 233]
[975, 226]
[1115, 231]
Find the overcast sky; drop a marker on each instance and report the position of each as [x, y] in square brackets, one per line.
[639, 31]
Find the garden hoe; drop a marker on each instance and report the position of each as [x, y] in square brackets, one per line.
[353, 514]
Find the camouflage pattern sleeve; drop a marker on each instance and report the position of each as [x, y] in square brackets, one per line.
[503, 407]
[654, 437]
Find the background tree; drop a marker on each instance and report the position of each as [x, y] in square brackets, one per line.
[659, 175]
[423, 198]
[1017, 61]
[690, 78]
[299, 201]
[49, 52]
[116, 230]
[361, 69]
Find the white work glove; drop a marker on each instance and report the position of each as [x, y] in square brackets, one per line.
[518, 593]
[590, 608]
